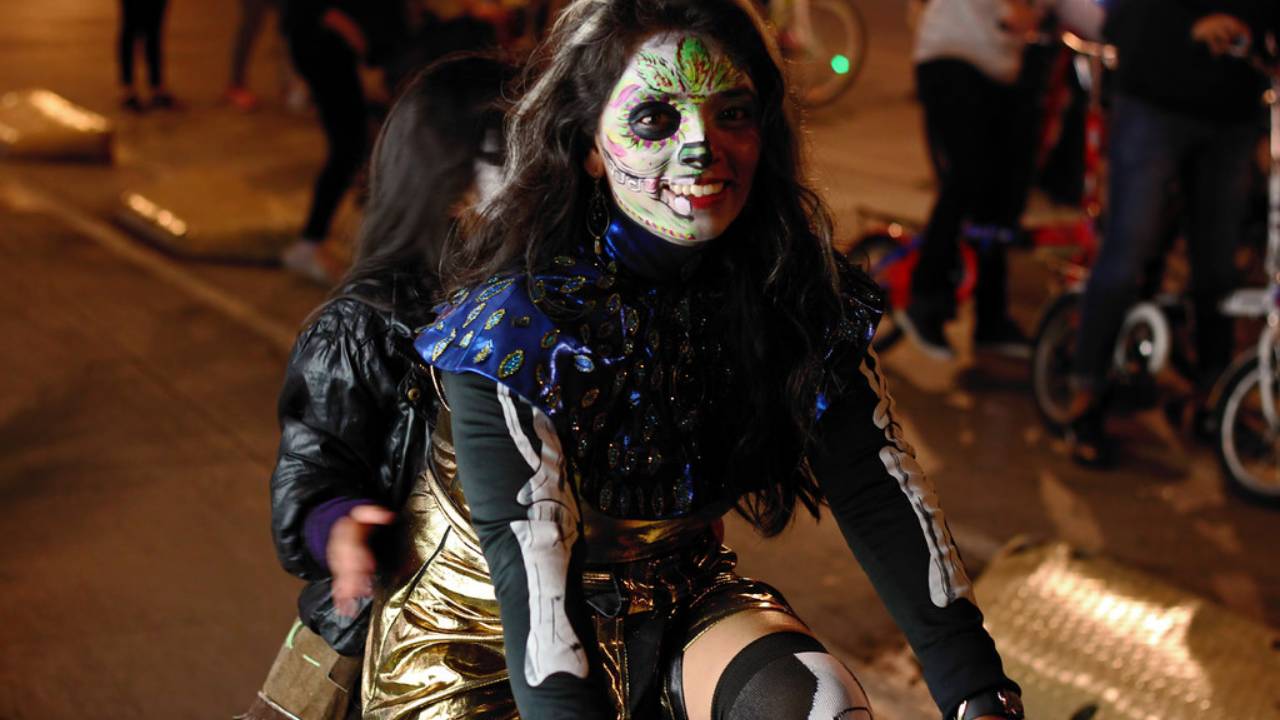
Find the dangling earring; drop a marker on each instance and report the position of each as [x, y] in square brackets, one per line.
[597, 213]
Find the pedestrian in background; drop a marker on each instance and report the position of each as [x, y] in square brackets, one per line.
[980, 124]
[354, 414]
[328, 40]
[252, 15]
[142, 22]
[1183, 118]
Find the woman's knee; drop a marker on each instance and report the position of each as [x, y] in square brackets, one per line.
[785, 676]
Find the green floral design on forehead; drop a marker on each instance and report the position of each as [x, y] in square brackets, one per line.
[695, 71]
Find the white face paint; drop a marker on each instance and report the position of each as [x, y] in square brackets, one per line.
[680, 139]
[546, 538]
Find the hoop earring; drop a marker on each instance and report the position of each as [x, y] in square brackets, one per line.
[597, 214]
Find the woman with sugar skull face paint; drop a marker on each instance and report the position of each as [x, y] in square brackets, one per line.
[649, 329]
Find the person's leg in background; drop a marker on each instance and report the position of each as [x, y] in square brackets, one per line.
[1012, 133]
[1147, 145]
[329, 67]
[955, 97]
[252, 15]
[153, 40]
[1218, 180]
[126, 47]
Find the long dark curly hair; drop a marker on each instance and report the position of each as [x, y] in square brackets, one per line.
[777, 275]
[423, 166]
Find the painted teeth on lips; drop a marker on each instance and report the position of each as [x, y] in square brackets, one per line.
[694, 190]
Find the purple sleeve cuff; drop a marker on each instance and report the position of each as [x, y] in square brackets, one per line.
[320, 522]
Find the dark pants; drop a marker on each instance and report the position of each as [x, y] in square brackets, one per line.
[1152, 152]
[252, 13]
[329, 67]
[141, 20]
[981, 134]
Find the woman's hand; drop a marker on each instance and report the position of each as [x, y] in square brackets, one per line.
[347, 29]
[1221, 32]
[350, 559]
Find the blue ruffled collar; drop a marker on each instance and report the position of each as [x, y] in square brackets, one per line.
[641, 253]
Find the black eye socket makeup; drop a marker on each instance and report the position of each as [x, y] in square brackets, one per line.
[654, 121]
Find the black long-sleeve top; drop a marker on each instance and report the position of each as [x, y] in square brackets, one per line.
[1159, 61]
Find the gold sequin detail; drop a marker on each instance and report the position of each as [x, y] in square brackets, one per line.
[494, 319]
[511, 364]
[475, 313]
[442, 344]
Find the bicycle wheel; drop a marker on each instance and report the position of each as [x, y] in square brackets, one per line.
[827, 59]
[1051, 358]
[1247, 445]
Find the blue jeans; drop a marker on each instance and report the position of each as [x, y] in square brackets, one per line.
[1154, 151]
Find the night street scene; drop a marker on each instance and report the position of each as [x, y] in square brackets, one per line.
[640, 359]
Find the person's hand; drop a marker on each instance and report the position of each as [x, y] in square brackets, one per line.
[350, 559]
[347, 29]
[1020, 17]
[1221, 32]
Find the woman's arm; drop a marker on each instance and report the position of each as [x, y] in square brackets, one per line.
[333, 411]
[891, 519]
[525, 511]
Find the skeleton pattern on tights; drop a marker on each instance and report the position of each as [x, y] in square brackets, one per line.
[545, 538]
[948, 580]
[839, 695]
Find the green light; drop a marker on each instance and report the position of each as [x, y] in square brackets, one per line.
[840, 64]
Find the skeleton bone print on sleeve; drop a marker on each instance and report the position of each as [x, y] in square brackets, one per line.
[546, 536]
[948, 580]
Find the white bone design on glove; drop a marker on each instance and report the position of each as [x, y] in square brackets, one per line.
[546, 537]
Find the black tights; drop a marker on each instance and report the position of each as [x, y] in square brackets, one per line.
[141, 20]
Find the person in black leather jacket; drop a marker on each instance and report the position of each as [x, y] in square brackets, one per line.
[355, 416]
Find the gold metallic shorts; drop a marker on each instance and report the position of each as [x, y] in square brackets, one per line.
[435, 639]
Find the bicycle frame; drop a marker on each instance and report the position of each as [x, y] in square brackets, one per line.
[1265, 302]
[1267, 343]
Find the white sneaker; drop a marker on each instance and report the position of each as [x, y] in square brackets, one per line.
[303, 257]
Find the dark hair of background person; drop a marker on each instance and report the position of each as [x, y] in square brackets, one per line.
[773, 271]
[423, 165]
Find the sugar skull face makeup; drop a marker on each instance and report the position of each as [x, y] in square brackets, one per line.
[680, 139]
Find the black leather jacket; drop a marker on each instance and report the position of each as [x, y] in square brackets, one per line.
[355, 421]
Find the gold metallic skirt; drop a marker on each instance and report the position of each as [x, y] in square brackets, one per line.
[435, 639]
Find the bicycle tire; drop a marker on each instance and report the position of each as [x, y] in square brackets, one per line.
[839, 63]
[1236, 417]
[1051, 356]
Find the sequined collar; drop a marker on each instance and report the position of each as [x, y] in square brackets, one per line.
[646, 255]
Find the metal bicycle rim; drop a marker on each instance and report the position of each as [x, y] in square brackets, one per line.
[1246, 471]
